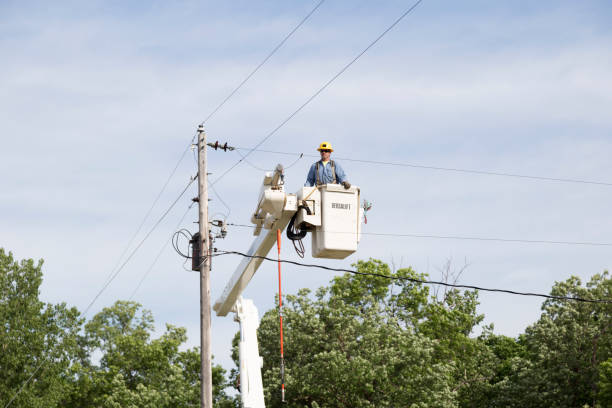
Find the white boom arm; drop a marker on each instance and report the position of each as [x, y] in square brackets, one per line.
[248, 266]
[274, 211]
[251, 386]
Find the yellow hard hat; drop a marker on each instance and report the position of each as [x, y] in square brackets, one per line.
[325, 146]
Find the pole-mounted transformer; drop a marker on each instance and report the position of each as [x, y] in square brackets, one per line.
[196, 255]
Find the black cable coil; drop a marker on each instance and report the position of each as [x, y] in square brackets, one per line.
[297, 233]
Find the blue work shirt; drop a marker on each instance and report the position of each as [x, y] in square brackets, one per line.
[325, 174]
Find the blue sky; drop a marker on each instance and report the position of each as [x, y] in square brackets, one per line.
[99, 100]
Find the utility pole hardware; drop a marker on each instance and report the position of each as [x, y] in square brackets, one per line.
[204, 263]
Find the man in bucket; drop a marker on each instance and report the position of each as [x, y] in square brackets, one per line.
[326, 171]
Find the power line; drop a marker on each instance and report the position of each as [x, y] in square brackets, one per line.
[422, 281]
[228, 97]
[459, 237]
[322, 88]
[108, 282]
[229, 210]
[243, 158]
[300, 155]
[244, 81]
[146, 217]
[261, 64]
[448, 169]
[159, 253]
[140, 244]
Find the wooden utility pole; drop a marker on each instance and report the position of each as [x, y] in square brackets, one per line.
[205, 353]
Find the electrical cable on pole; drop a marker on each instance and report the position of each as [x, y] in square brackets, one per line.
[159, 253]
[421, 281]
[322, 88]
[280, 316]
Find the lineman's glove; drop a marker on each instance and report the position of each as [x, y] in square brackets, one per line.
[346, 185]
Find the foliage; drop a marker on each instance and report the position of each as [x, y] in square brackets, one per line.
[605, 384]
[362, 341]
[368, 341]
[135, 370]
[111, 361]
[375, 342]
[566, 351]
[36, 340]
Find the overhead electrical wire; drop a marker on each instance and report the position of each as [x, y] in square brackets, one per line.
[146, 217]
[140, 243]
[322, 88]
[270, 54]
[229, 210]
[421, 281]
[229, 96]
[300, 155]
[459, 237]
[448, 169]
[159, 253]
[243, 158]
[175, 238]
[108, 281]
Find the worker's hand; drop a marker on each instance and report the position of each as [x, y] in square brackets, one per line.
[346, 185]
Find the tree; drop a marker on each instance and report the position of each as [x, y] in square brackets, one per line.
[112, 361]
[605, 384]
[567, 351]
[137, 371]
[38, 341]
[368, 341]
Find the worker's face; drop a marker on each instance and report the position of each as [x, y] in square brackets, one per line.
[325, 155]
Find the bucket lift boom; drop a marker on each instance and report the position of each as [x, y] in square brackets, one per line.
[333, 216]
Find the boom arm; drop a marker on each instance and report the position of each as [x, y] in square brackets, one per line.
[251, 386]
[274, 210]
[248, 266]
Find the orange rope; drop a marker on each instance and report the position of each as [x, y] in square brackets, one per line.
[280, 313]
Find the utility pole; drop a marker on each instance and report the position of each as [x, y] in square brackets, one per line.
[205, 353]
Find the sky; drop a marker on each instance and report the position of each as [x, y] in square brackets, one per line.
[100, 99]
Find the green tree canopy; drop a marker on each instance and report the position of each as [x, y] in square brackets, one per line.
[137, 371]
[369, 341]
[111, 361]
[567, 352]
[37, 339]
